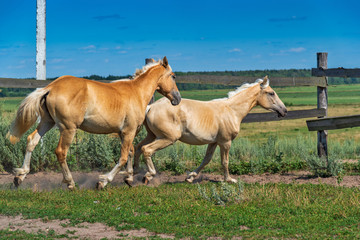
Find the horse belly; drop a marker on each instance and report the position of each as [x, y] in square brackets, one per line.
[100, 126]
[197, 139]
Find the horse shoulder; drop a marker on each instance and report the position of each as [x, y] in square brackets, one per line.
[229, 126]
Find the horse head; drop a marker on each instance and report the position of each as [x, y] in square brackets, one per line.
[269, 100]
[167, 85]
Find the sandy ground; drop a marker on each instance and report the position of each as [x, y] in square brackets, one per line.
[44, 181]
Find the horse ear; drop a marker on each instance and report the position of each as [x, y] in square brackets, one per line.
[265, 81]
[165, 62]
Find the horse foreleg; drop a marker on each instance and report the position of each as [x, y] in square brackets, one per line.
[148, 150]
[66, 137]
[126, 146]
[129, 169]
[32, 140]
[209, 153]
[224, 152]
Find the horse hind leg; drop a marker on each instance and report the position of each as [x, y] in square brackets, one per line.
[209, 153]
[148, 150]
[32, 140]
[66, 137]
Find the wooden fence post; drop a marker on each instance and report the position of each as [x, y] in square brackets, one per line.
[322, 102]
[147, 61]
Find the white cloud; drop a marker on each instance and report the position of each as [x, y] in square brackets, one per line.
[16, 67]
[88, 47]
[60, 60]
[235, 50]
[297, 50]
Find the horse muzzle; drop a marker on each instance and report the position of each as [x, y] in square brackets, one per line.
[176, 98]
[281, 111]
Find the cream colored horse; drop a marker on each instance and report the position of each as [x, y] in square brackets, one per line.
[194, 122]
[71, 103]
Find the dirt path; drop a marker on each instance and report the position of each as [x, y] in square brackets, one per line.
[44, 181]
[51, 180]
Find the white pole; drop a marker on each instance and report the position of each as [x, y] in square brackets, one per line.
[41, 40]
[41, 46]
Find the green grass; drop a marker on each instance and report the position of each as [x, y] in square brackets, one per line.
[10, 104]
[265, 211]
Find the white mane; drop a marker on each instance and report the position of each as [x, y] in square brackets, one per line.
[121, 80]
[243, 87]
[247, 85]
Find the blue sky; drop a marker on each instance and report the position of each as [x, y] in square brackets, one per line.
[114, 37]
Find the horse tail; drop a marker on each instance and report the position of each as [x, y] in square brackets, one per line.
[147, 109]
[29, 111]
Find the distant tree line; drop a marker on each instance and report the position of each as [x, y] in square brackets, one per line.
[20, 92]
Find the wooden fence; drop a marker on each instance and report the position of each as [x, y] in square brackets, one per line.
[318, 79]
[211, 79]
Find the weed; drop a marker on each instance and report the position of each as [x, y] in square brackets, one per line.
[325, 167]
[222, 193]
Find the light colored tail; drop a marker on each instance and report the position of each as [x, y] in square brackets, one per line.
[27, 114]
[147, 109]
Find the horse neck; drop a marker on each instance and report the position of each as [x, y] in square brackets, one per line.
[244, 101]
[147, 83]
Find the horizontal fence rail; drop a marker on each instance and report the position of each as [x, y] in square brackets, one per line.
[201, 79]
[297, 114]
[332, 123]
[238, 80]
[27, 83]
[336, 72]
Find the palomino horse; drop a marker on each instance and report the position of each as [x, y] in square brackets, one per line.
[71, 103]
[215, 122]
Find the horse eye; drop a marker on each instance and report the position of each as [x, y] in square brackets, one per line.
[173, 76]
[272, 93]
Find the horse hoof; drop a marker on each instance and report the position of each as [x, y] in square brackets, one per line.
[99, 186]
[71, 187]
[189, 180]
[146, 180]
[128, 182]
[17, 181]
[231, 180]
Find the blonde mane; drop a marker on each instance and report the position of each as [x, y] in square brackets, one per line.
[247, 85]
[243, 87]
[143, 70]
